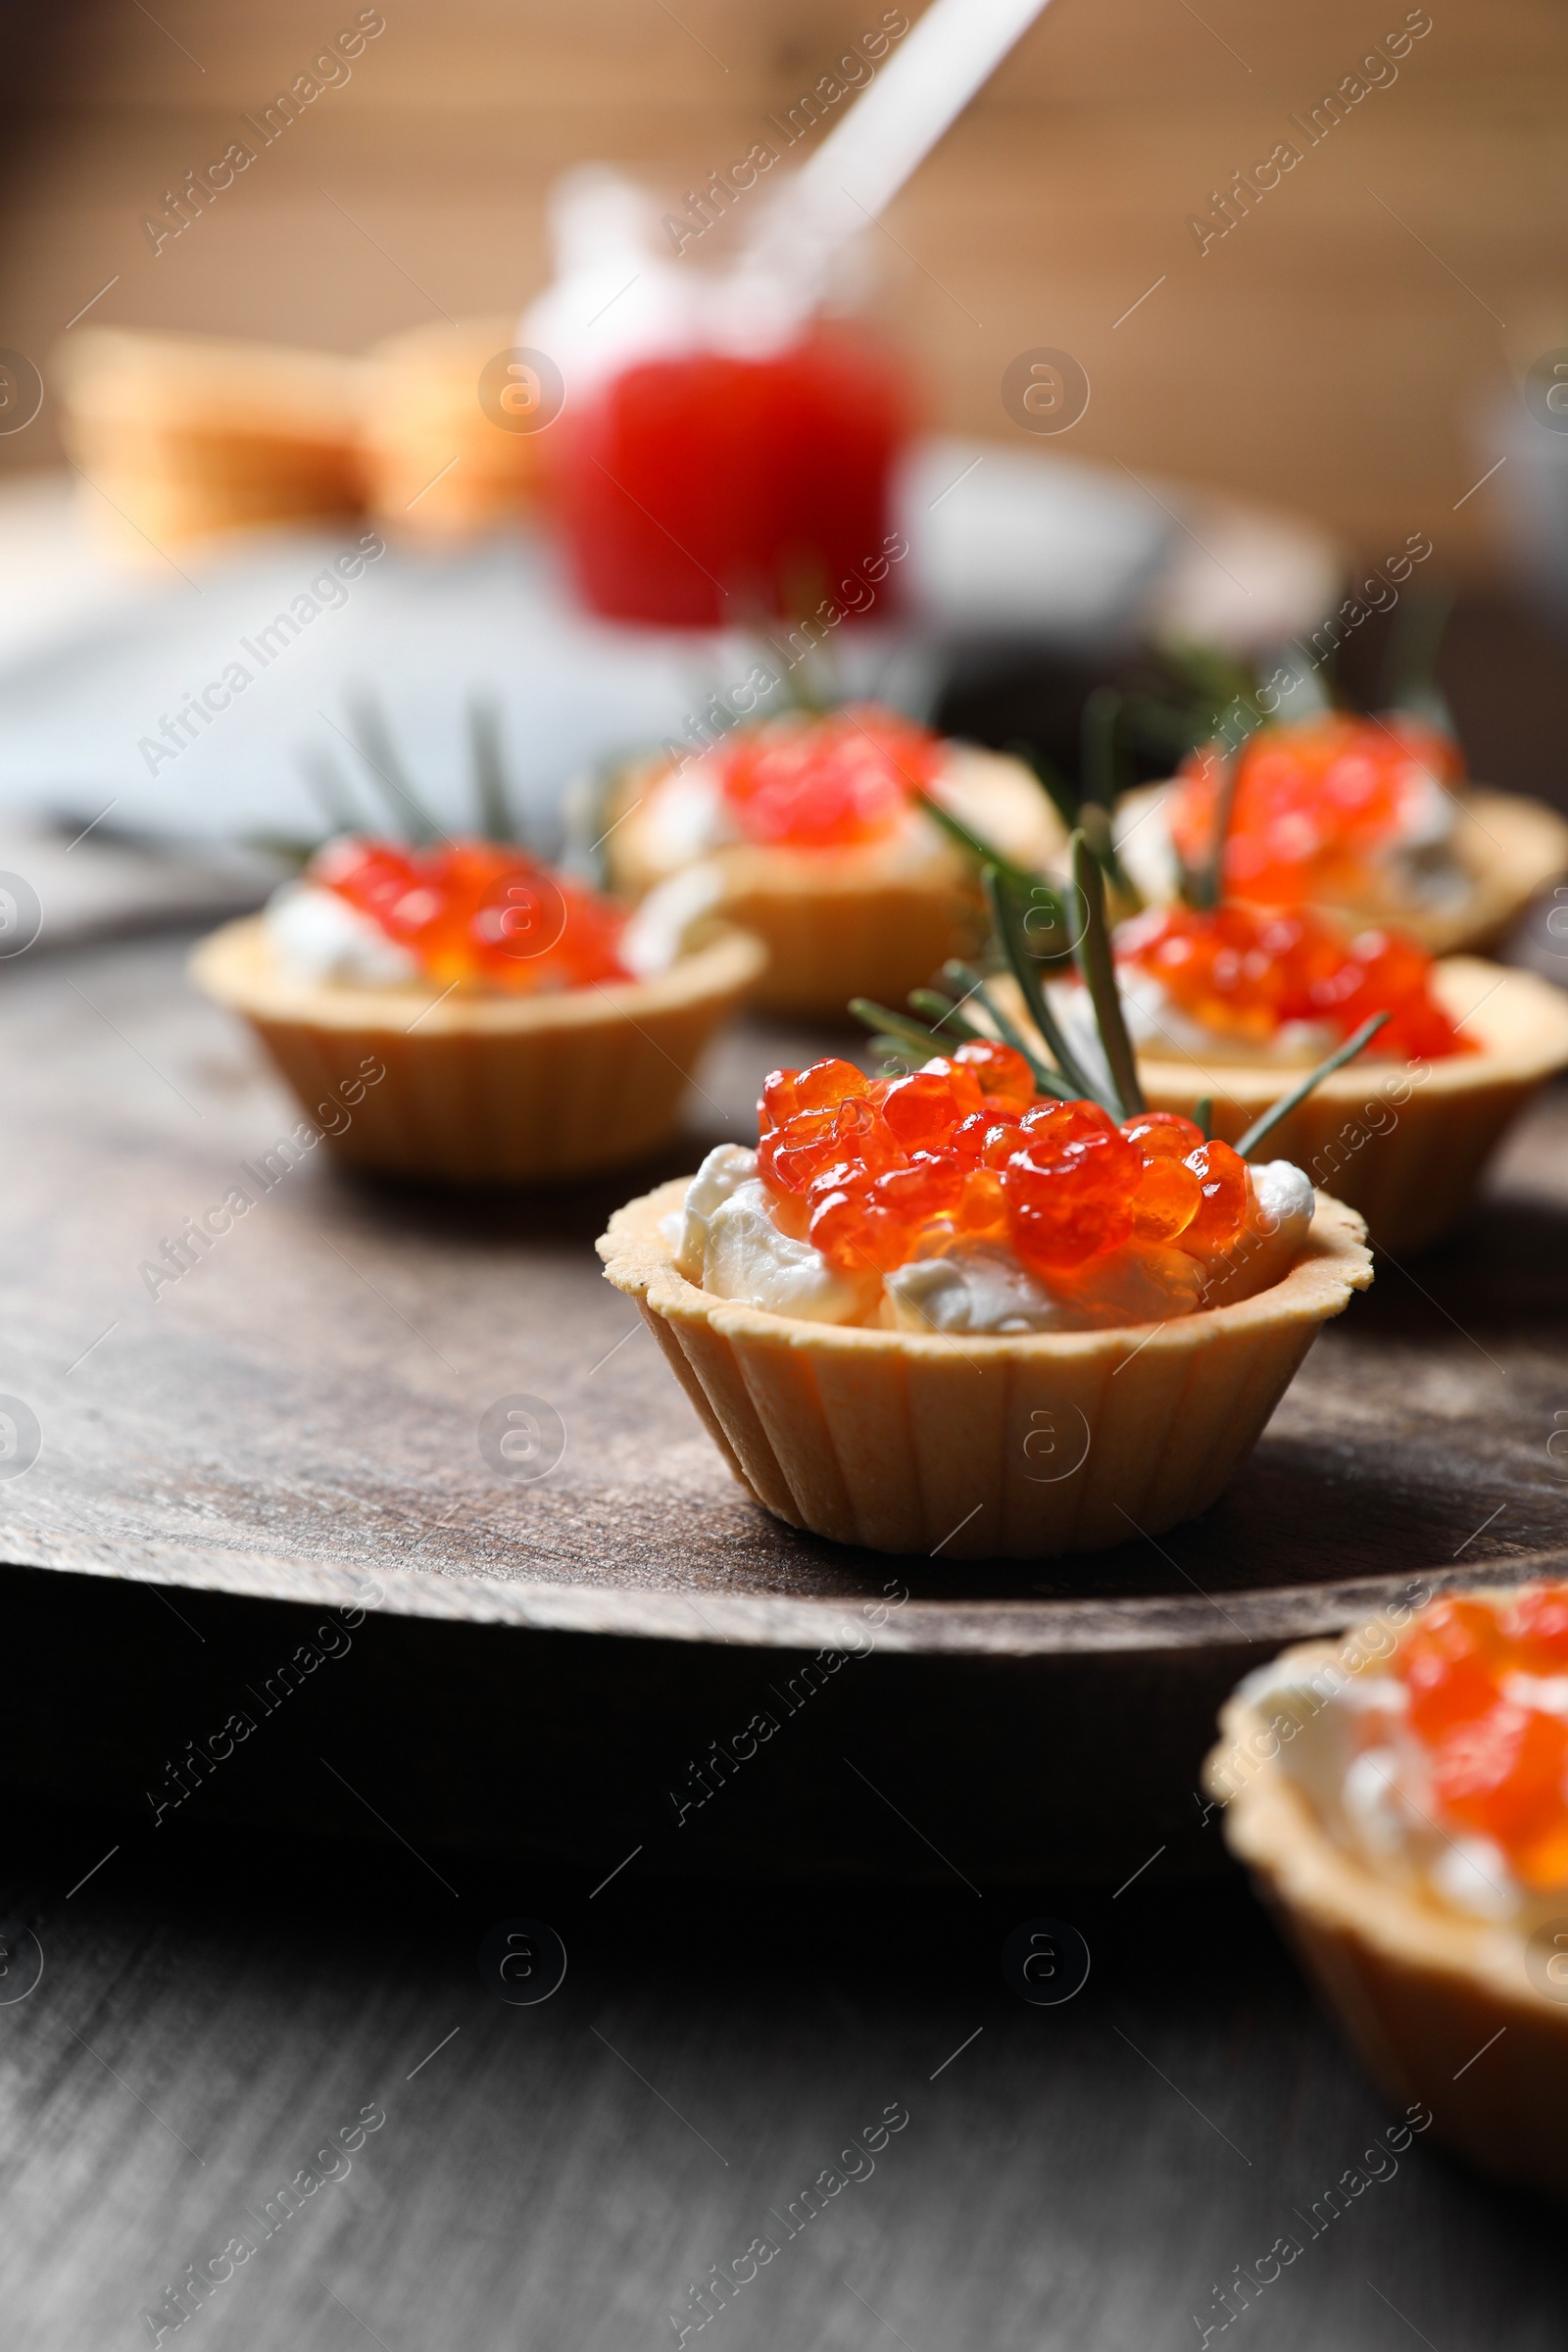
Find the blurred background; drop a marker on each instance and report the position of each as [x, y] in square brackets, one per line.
[1345, 369]
[1337, 354]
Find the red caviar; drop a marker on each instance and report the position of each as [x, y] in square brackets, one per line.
[825, 783]
[1243, 971]
[477, 912]
[878, 1172]
[1498, 1758]
[1316, 802]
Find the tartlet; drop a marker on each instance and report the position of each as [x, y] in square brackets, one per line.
[909, 1444]
[483, 1083]
[190, 435]
[1467, 2014]
[965, 1419]
[1405, 840]
[853, 888]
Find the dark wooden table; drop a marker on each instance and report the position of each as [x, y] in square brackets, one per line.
[516, 1729]
[300, 1416]
[562, 2174]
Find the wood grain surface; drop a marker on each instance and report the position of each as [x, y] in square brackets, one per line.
[303, 1407]
[297, 1418]
[1083, 2176]
[241, 1960]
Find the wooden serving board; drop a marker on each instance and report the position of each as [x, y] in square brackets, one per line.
[297, 1418]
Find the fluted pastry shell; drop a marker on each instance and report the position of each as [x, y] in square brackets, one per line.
[488, 1088]
[1012, 1447]
[1420, 1992]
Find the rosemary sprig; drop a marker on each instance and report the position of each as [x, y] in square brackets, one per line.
[1008, 887]
[1026, 971]
[943, 1013]
[1060, 1080]
[904, 1036]
[1212, 676]
[895, 1028]
[372, 740]
[1091, 810]
[1265, 1125]
[289, 849]
[1062, 795]
[1097, 967]
[1204, 1117]
[489, 770]
[1409, 674]
[1203, 887]
[1100, 750]
[984, 852]
[329, 792]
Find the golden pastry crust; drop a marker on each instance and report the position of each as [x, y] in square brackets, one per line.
[193, 434]
[489, 1088]
[1418, 1991]
[1012, 1448]
[436, 464]
[875, 919]
[1509, 846]
[1406, 1144]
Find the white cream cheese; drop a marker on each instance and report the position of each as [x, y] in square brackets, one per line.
[973, 1291]
[656, 933]
[748, 1259]
[988, 1291]
[1369, 1780]
[1262, 1255]
[686, 1228]
[317, 935]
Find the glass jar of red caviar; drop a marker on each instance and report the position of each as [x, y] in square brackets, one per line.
[705, 488]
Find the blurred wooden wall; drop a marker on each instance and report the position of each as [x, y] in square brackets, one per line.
[1325, 355]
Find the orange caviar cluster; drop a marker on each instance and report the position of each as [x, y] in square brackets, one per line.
[1316, 802]
[1499, 1763]
[805, 782]
[477, 912]
[878, 1172]
[1244, 971]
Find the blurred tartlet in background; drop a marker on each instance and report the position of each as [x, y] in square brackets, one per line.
[809, 823]
[521, 1026]
[1401, 1800]
[1370, 818]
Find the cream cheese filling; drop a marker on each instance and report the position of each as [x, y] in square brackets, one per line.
[317, 935]
[1367, 1777]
